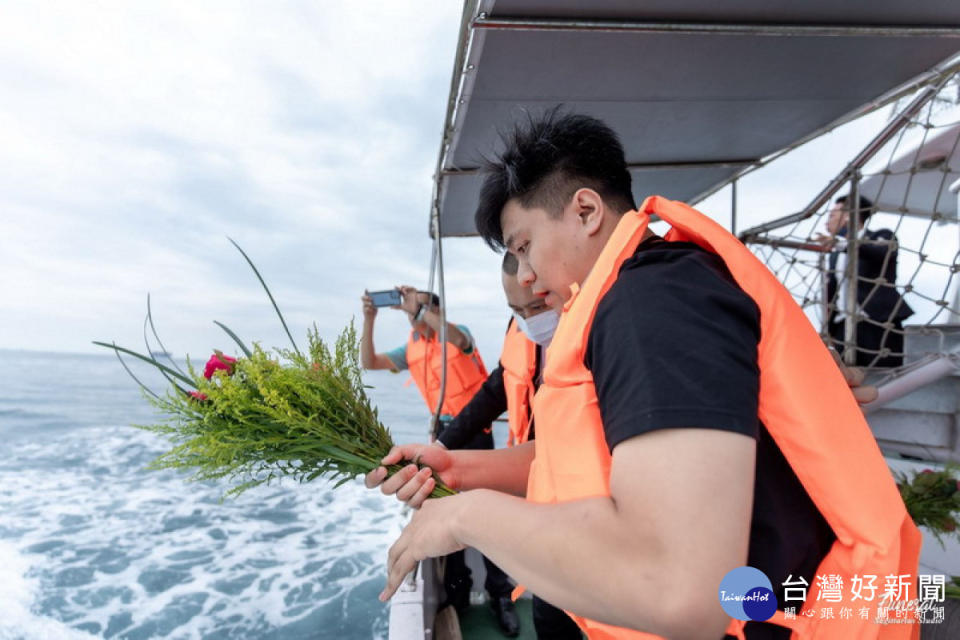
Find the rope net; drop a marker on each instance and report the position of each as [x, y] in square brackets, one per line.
[907, 255]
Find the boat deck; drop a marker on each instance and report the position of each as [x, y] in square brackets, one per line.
[478, 623]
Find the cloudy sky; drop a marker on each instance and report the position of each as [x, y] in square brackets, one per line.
[136, 137]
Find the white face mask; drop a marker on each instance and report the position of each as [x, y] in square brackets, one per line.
[540, 327]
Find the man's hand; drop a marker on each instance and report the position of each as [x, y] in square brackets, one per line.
[369, 310]
[854, 376]
[411, 485]
[430, 534]
[408, 299]
[825, 240]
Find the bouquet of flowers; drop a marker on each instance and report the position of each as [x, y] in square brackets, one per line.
[932, 499]
[268, 414]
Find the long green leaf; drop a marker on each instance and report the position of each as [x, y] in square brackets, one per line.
[157, 337]
[175, 374]
[239, 342]
[146, 343]
[269, 295]
[135, 378]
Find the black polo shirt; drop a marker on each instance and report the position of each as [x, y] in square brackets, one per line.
[674, 345]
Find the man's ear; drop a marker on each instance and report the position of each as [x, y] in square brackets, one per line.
[589, 209]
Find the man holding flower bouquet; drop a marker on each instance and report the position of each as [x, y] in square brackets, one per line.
[690, 421]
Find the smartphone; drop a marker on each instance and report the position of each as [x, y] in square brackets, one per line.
[387, 298]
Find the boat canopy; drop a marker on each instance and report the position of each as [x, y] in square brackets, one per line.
[700, 92]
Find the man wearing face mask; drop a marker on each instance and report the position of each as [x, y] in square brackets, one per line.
[511, 387]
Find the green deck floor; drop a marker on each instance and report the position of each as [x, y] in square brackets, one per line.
[478, 622]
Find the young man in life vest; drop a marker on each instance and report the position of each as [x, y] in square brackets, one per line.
[423, 357]
[690, 422]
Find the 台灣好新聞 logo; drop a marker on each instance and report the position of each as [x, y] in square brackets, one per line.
[747, 594]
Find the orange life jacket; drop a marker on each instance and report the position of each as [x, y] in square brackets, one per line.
[804, 404]
[519, 362]
[465, 373]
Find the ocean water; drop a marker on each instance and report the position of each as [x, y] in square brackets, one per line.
[94, 546]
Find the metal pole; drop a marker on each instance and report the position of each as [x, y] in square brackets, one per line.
[852, 272]
[435, 422]
[824, 299]
[733, 207]
[483, 21]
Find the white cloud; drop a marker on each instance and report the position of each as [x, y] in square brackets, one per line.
[134, 137]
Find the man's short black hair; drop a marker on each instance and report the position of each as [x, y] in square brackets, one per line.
[545, 161]
[866, 206]
[434, 298]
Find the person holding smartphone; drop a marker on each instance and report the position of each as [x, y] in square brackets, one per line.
[422, 356]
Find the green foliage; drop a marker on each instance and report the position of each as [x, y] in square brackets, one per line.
[280, 414]
[933, 500]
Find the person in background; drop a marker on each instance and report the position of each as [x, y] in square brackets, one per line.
[422, 355]
[880, 308]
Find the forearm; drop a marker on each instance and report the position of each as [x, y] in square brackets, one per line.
[504, 470]
[367, 351]
[581, 556]
[454, 335]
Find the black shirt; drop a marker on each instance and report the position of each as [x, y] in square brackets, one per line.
[484, 407]
[674, 345]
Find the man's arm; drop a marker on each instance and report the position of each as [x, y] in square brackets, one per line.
[455, 336]
[369, 358]
[649, 557]
[488, 402]
[877, 248]
[504, 470]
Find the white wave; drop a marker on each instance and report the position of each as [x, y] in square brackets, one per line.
[112, 547]
[17, 594]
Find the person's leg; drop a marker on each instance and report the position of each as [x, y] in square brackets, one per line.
[551, 622]
[457, 582]
[496, 583]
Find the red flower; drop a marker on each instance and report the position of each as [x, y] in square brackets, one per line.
[924, 471]
[196, 395]
[217, 362]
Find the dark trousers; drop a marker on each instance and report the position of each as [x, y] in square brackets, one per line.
[870, 340]
[552, 623]
[457, 579]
